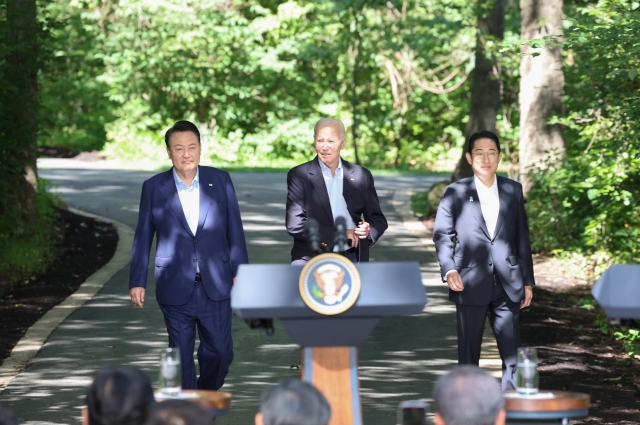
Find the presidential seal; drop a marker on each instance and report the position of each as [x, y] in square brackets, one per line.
[329, 284]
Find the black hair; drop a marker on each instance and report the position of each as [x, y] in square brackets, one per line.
[294, 402]
[484, 134]
[179, 127]
[120, 396]
[178, 412]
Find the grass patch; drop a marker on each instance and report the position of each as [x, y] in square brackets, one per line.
[28, 248]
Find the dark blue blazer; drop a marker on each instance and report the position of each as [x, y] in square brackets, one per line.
[307, 197]
[218, 245]
[463, 242]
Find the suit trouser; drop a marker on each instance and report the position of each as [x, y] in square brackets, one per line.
[504, 316]
[215, 353]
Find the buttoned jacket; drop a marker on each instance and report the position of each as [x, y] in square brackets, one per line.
[218, 246]
[307, 197]
[463, 243]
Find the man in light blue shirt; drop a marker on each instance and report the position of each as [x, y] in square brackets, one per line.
[329, 187]
[193, 212]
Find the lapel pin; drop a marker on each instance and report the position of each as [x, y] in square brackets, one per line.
[353, 180]
[210, 184]
[470, 198]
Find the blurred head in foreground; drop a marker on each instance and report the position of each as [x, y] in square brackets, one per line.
[178, 412]
[293, 403]
[468, 396]
[120, 396]
[7, 417]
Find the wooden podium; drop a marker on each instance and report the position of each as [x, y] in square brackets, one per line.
[329, 342]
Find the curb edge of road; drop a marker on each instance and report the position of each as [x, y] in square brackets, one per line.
[35, 337]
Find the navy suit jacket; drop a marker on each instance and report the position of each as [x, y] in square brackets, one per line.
[463, 242]
[218, 246]
[307, 197]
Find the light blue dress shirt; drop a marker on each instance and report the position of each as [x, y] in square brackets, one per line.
[190, 201]
[334, 188]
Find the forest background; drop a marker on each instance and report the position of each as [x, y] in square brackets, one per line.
[410, 79]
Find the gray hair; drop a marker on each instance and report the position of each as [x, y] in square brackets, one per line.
[468, 396]
[330, 122]
[294, 403]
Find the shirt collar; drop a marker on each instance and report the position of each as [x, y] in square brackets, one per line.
[481, 186]
[325, 169]
[180, 183]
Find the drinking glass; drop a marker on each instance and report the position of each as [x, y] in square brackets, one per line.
[527, 371]
[170, 372]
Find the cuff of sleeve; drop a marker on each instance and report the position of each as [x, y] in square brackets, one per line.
[446, 275]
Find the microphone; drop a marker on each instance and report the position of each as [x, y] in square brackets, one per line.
[340, 236]
[313, 234]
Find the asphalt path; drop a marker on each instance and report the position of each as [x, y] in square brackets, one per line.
[400, 360]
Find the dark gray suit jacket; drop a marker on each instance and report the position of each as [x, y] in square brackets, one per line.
[307, 197]
[463, 243]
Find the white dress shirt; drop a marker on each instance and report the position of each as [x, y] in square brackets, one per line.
[489, 203]
[335, 185]
[190, 201]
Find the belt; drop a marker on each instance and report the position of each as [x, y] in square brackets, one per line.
[198, 277]
[347, 252]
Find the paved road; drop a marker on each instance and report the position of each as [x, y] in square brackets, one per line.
[400, 361]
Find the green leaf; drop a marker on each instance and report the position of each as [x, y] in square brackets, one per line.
[633, 73]
[592, 194]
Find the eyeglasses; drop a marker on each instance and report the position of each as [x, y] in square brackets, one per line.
[480, 155]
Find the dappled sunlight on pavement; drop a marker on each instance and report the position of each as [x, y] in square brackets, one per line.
[400, 360]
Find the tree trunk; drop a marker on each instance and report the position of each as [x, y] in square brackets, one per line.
[20, 122]
[486, 85]
[541, 88]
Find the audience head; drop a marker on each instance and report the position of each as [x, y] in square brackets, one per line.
[468, 396]
[178, 412]
[120, 396]
[7, 417]
[293, 403]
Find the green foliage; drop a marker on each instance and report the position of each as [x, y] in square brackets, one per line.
[425, 204]
[257, 75]
[590, 202]
[28, 248]
[73, 106]
[631, 338]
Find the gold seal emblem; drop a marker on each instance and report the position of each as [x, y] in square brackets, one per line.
[329, 284]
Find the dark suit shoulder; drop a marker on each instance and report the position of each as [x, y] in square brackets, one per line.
[508, 181]
[356, 168]
[303, 169]
[212, 172]
[160, 177]
[460, 186]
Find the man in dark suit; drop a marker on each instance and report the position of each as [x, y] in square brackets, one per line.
[482, 239]
[329, 187]
[193, 211]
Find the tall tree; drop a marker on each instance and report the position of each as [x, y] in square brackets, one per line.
[485, 86]
[541, 87]
[19, 123]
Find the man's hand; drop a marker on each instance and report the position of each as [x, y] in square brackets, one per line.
[528, 296]
[137, 296]
[235, 279]
[351, 234]
[455, 281]
[363, 230]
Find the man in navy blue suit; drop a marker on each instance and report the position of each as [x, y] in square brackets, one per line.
[482, 239]
[193, 211]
